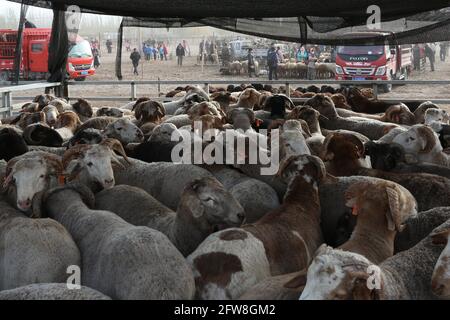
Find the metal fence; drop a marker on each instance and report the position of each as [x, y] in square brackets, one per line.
[7, 107]
[63, 90]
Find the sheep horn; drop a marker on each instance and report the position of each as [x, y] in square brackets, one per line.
[394, 215]
[428, 135]
[54, 162]
[73, 153]
[326, 154]
[9, 170]
[28, 135]
[115, 145]
[359, 144]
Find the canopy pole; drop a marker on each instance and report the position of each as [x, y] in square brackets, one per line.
[18, 49]
[119, 52]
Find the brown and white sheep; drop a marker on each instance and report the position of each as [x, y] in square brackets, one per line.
[229, 262]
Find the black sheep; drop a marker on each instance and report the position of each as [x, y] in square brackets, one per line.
[11, 144]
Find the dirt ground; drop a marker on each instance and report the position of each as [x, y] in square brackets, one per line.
[191, 70]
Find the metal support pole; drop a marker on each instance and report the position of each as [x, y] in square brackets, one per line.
[9, 105]
[207, 87]
[288, 89]
[159, 87]
[375, 91]
[133, 91]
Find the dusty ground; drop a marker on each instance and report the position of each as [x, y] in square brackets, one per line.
[168, 70]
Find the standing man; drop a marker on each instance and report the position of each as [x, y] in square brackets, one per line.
[180, 52]
[135, 57]
[429, 53]
[186, 47]
[109, 45]
[416, 57]
[225, 54]
[28, 24]
[272, 62]
[165, 51]
[251, 63]
[312, 64]
[443, 51]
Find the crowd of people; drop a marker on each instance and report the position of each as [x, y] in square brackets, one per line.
[156, 51]
[429, 51]
[301, 54]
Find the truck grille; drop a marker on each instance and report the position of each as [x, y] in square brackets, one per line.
[359, 71]
[82, 67]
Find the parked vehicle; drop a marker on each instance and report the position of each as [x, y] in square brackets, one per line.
[35, 47]
[376, 62]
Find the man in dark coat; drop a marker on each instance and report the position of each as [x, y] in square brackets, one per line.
[272, 62]
[430, 54]
[180, 52]
[135, 57]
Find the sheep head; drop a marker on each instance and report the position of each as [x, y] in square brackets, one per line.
[419, 113]
[384, 156]
[394, 203]
[83, 107]
[339, 275]
[342, 145]
[340, 101]
[149, 111]
[163, 132]
[211, 205]
[436, 115]
[419, 139]
[124, 130]
[309, 167]
[26, 118]
[86, 136]
[68, 119]
[324, 105]
[241, 118]
[43, 99]
[399, 114]
[94, 161]
[51, 114]
[440, 281]
[30, 174]
[109, 112]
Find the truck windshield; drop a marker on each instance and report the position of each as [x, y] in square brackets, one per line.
[360, 53]
[81, 50]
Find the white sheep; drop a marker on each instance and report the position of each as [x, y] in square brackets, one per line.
[118, 259]
[51, 291]
[205, 206]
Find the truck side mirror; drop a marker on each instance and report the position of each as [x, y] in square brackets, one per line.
[393, 52]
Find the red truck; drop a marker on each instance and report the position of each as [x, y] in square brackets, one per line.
[377, 62]
[34, 64]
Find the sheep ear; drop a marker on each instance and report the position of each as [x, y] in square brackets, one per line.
[360, 289]
[429, 140]
[440, 237]
[74, 168]
[297, 282]
[393, 215]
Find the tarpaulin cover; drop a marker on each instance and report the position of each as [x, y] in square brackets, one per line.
[321, 22]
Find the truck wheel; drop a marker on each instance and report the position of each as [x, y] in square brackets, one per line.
[80, 79]
[4, 77]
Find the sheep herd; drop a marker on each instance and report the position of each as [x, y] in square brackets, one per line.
[93, 204]
[288, 68]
